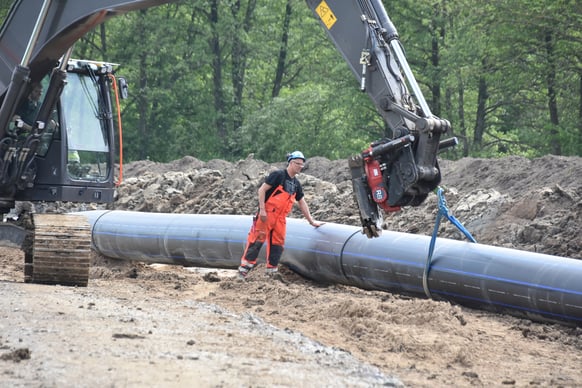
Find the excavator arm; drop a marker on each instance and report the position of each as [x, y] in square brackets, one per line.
[400, 170]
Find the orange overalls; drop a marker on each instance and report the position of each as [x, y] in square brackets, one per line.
[273, 230]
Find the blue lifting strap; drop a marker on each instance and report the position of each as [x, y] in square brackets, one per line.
[443, 211]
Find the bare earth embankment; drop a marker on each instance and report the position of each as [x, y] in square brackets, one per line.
[152, 325]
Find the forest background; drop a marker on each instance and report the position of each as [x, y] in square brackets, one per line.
[221, 79]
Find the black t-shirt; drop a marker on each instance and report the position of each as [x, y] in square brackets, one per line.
[290, 185]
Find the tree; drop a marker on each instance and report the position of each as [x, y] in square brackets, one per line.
[224, 78]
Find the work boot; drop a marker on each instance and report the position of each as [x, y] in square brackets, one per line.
[244, 270]
[273, 273]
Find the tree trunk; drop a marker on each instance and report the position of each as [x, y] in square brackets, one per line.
[461, 113]
[281, 61]
[142, 96]
[217, 82]
[579, 149]
[556, 148]
[239, 56]
[438, 35]
[435, 84]
[482, 97]
[103, 38]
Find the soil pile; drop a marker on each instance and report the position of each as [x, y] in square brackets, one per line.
[177, 325]
[532, 205]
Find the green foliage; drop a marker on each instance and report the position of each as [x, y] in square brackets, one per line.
[290, 122]
[202, 83]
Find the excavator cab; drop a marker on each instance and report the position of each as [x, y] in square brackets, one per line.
[62, 147]
[59, 147]
[75, 157]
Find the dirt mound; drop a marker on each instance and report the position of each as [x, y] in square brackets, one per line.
[177, 325]
[532, 205]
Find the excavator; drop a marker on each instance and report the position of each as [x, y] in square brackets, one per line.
[58, 136]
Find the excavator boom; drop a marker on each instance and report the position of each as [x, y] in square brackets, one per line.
[36, 34]
[62, 23]
[402, 169]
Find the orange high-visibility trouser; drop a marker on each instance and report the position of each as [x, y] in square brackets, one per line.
[272, 230]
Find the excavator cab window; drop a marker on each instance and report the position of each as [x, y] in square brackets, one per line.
[86, 130]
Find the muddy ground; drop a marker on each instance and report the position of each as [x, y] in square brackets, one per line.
[155, 325]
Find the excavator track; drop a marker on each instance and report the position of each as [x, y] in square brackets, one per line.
[61, 250]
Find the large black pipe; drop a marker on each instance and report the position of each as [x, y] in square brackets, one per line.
[536, 286]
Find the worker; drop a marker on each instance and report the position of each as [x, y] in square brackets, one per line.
[277, 195]
[74, 163]
[28, 109]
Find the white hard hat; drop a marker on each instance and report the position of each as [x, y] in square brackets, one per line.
[295, 155]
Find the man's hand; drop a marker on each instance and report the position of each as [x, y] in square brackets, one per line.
[263, 215]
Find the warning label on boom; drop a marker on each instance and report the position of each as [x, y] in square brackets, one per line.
[325, 14]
